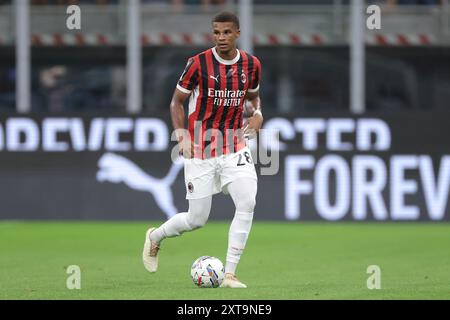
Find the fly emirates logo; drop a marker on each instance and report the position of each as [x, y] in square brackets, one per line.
[226, 98]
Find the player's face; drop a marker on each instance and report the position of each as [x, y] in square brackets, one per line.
[225, 36]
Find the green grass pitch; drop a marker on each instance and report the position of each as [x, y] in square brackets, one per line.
[281, 261]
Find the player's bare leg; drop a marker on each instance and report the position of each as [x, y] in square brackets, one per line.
[243, 192]
[195, 218]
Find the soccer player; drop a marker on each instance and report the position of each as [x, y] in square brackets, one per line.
[217, 82]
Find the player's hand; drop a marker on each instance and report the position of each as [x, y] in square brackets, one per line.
[187, 148]
[253, 125]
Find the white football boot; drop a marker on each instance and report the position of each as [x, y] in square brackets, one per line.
[150, 253]
[230, 281]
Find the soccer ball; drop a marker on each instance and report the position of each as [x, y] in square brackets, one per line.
[207, 272]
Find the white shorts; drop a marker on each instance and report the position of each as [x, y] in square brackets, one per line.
[205, 177]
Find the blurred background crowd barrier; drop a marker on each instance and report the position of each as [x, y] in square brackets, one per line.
[304, 46]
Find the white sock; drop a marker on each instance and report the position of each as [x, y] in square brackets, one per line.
[195, 218]
[237, 238]
[173, 227]
[243, 192]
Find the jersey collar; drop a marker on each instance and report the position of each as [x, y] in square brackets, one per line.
[223, 61]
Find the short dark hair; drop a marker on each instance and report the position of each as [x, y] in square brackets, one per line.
[226, 17]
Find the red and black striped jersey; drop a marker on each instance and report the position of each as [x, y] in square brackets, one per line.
[218, 88]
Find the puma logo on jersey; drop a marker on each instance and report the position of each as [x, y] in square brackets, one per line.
[215, 78]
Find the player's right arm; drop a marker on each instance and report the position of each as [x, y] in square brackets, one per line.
[178, 120]
[187, 82]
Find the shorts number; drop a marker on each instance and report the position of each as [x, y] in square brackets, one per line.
[247, 158]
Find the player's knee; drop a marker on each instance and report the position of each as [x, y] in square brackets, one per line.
[197, 219]
[244, 216]
[247, 204]
[196, 223]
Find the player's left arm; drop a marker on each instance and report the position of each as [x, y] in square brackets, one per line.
[256, 120]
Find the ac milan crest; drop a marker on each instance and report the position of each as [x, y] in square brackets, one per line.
[243, 78]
